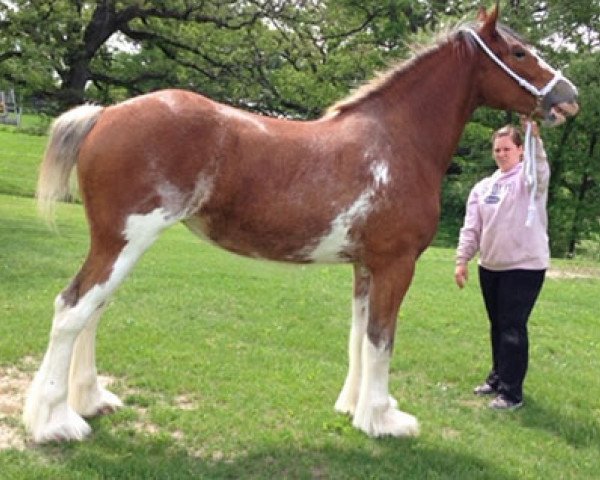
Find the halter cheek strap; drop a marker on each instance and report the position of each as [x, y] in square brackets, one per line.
[529, 154]
[539, 93]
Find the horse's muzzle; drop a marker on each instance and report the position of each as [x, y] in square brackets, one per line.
[559, 113]
[559, 103]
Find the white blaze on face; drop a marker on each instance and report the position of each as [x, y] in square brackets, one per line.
[332, 245]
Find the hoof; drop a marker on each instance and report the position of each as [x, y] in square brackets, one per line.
[63, 427]
[102, 402]
[386, 421]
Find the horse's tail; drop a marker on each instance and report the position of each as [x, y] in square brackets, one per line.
[66, 135]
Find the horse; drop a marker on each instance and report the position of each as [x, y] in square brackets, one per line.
[359, 185]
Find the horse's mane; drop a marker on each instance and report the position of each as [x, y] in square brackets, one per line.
[418, 53]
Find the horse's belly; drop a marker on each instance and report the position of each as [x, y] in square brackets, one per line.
[299, 244]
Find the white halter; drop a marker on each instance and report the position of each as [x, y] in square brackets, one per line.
[520, 80]
[529, 153]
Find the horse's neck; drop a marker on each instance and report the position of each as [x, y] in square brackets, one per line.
[432, 101]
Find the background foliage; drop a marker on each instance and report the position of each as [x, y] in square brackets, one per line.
[293, 58]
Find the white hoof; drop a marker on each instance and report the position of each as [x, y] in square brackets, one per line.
[62, 425]
[99, 402]
[386, 420]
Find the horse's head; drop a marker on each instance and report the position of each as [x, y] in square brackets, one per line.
[514, 77]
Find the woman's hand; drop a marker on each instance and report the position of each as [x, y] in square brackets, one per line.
[461, 274]
[535, 131]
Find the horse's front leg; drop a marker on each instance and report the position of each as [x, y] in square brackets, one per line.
[376, 412]
[346, 402]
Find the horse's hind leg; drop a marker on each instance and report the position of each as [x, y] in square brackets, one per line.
[86, 396]
[47, 414]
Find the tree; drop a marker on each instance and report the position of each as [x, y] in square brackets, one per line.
[288, 57]
[567, 35]
[295, 57]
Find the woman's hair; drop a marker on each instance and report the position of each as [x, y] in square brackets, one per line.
[509, 131]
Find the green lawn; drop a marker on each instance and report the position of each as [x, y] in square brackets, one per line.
[20, 156]
[230, 367]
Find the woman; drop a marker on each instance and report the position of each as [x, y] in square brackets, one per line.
[513, 257]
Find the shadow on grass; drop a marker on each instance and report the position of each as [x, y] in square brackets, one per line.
[541, 416]
[149, 457]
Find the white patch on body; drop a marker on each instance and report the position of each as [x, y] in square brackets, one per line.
[376, 412]
[381, 173]
[170, 99]
[248, 118]
[202, 192]
[47, 414]
[331, 247]
[181, 205]
[170, 196]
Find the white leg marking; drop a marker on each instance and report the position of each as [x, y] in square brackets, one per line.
[86, 396]
[346, 402]
[47, 414]
[375, 414]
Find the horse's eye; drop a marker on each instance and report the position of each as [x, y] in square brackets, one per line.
[519, 54]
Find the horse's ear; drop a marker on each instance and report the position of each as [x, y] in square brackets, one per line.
[489, 20]
[481, 14]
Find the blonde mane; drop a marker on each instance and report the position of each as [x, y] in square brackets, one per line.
[381, 79]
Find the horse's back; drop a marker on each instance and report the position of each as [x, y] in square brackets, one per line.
[255, 185]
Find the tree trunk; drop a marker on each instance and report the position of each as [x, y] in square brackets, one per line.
[584, 186]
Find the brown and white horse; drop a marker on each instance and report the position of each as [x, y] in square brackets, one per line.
[360, 185]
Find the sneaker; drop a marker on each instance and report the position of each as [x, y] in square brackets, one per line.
[503, 403]
[485, 389]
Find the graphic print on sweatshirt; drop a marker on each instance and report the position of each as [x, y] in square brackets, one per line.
[496, 192]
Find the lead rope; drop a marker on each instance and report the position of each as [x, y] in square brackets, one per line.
[529, 163]
[529, 152]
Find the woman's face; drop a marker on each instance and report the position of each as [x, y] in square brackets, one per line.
[506, 153]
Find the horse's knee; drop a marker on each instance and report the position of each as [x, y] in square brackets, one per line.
[70, 320]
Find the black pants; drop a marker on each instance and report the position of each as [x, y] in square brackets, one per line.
[509, 297]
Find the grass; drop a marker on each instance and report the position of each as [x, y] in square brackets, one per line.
[20, 155]
[229, 367]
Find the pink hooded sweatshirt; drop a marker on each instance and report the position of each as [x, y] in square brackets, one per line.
[495, 220]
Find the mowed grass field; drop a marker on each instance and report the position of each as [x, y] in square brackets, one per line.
[229, 367]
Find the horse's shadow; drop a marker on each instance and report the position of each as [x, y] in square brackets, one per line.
[139, 455]
[157, 457]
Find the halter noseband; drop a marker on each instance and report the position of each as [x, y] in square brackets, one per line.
[536, 92]
[530, 142]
